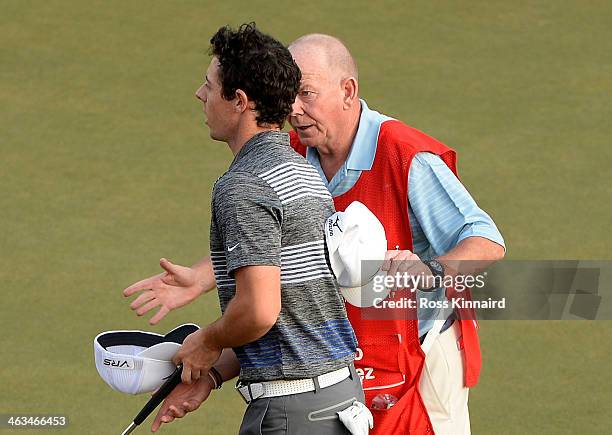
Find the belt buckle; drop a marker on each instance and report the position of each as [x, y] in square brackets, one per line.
[249, 390]
[238, 386]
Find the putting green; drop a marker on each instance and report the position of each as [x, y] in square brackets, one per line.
[106, 166]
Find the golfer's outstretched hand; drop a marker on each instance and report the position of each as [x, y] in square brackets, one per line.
[183, 399]
[175, 287]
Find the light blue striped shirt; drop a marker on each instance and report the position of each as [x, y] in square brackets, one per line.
[440, 209]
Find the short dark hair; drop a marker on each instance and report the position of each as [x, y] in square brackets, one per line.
[259, 65]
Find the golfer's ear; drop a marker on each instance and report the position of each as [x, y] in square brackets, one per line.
[350, 91]
[242, 101]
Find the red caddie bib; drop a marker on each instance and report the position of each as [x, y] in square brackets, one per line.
[389, 357]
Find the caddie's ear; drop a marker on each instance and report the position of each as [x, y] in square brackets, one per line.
[350, 89]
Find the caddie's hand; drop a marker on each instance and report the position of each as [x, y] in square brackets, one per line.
[407, 264]
[183, 399]
[175, 287]
[196, 356]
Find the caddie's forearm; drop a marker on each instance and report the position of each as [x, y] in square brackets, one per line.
[471, 255]
[205, 275]
[228, 365]
[245, 320]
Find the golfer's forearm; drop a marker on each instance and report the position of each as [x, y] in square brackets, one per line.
[471, 255]
[245, 320]
[228, 365]
[205, 276]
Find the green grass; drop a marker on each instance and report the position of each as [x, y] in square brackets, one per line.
[106, 166]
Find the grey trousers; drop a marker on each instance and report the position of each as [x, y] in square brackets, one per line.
[312, 413]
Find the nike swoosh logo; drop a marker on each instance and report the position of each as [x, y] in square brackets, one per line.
[233, 247]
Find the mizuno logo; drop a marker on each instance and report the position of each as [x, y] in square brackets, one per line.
[232, 248]
[336, 224]
[119, 364]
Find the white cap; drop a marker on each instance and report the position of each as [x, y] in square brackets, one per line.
[137, 362]
[357, 245]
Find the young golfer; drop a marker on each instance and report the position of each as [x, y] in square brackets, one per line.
[284, 328]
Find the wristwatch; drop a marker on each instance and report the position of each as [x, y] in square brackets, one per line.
[437, 268]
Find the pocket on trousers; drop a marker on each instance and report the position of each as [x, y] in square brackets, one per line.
[264, 416]
[253, 417]
[275, 418]
[435, 384]
[330, 412]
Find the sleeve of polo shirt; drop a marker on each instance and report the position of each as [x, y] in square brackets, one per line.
[445, 210]
[249, 216]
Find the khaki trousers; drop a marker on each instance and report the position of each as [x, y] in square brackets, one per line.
[442, 387]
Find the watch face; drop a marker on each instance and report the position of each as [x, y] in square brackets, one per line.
[435, 265]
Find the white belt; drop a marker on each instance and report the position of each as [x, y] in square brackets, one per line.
[258, 390]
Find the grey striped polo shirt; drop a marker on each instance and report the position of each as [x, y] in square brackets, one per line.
[269, 208]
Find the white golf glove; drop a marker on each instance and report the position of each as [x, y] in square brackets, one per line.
[357, 418]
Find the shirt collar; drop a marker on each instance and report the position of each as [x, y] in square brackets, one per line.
[269, 137]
